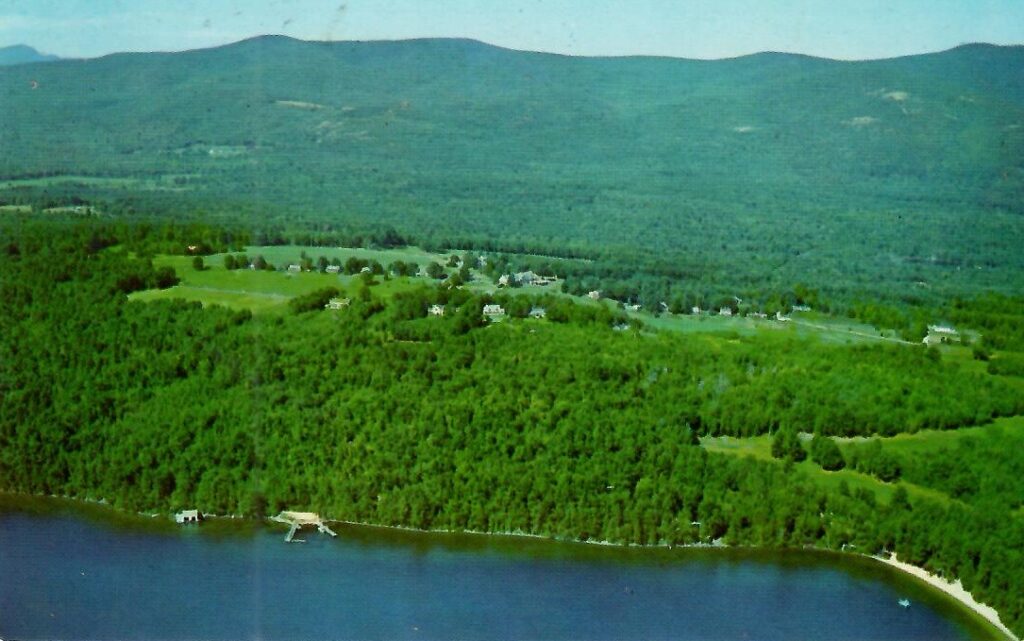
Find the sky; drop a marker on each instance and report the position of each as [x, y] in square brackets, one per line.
[843, 29]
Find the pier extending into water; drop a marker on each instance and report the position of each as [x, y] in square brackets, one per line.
[298, 520]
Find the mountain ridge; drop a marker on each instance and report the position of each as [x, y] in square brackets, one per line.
[270, 37]
[460, 142]
[23, 54]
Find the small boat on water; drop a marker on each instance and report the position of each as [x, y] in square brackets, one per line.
[905, 602]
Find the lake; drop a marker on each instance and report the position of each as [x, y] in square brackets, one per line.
[70, 575]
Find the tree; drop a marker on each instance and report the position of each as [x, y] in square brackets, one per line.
[900, 498]
[354, 265]
[871, 458]
[313, 301]
[165, 277]
[786, 445]
[229, 262]
[197, 264]
[434, 270]
[825, 453]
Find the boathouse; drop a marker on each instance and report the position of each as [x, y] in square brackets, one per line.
[300, 519]
[187, 516]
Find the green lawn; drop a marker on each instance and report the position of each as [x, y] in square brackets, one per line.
[841, 330]
[707, 323]
[255, 302]
[259, 291]
[830, 330]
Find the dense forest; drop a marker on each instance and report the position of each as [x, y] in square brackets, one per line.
[581, 425]
[687, 182]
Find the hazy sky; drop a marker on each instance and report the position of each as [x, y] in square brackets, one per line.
[685, 28]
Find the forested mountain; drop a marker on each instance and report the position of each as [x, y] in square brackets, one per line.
[20, 54]
[742, 175]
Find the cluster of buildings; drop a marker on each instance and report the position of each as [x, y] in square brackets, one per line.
[491, 311]
[526, 278]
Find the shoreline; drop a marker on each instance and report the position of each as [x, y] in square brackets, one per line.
[951, 588]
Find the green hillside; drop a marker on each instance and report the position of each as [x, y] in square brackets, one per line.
[576, 425]
[738, 176]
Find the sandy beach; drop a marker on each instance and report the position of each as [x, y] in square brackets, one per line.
[952, 588]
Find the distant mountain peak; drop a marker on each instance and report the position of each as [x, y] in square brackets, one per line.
[21, 54]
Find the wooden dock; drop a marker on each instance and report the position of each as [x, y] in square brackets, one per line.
[298, 520]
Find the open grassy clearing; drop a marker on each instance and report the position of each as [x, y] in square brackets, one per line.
[962, 356]
[706, 323]
[266, 290]
[283, 255]
[979, 465]
[258, 291]
[235, 300]
[838, 331]
[759, 447]
[927, 441]
[841, 330]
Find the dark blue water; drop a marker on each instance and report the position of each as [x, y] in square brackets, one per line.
[63, 577]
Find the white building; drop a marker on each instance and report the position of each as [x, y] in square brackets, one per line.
[337, 303]
[595, 295]
[494, 310]
[187, 516]
[436, 310]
